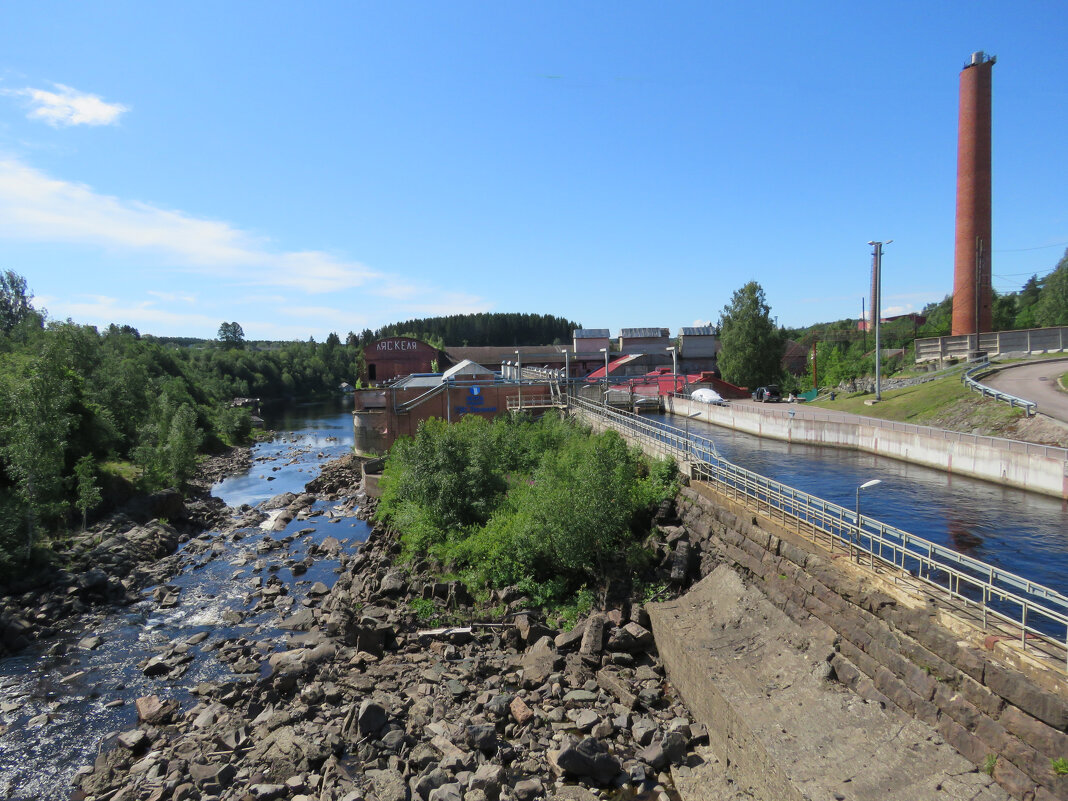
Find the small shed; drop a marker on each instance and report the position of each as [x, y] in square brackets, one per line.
[466, 370]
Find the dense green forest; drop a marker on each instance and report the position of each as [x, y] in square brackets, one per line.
[83, 410]
[475, 330]
[545, 505]
[844, 353]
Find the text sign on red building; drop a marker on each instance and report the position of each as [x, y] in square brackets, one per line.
[397, 344]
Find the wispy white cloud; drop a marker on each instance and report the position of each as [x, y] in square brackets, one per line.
[35, 207]
[894, 311]
[247, 268]
[102, 309]
[172, 297]
[66, 106]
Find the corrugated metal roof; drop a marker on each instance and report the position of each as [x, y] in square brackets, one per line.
[591, 333]
[643, 333]
[698, 331]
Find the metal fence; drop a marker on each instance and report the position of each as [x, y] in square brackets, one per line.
[1037, 611]
[980, 370]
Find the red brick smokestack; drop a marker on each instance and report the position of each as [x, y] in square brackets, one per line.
[972, 300]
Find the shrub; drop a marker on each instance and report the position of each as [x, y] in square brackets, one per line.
[545, 505]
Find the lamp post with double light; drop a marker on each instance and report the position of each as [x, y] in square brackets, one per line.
[865, 485]
[674, 369]
[604, 396]
[519, 370]
[876, 308]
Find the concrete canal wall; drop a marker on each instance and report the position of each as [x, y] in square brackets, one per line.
[1032, 467]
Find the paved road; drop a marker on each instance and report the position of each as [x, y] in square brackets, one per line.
[1035, 381]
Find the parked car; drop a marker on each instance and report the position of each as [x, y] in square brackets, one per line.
[768, 394]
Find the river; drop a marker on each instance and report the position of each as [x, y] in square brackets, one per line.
[58, 701]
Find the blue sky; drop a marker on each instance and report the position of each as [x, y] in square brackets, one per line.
[316, 167]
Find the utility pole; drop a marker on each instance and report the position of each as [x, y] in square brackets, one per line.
[876, 310]
[815, 367]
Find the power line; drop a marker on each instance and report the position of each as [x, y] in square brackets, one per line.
[1038, 247]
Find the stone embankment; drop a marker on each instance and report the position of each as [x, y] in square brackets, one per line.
[363, 700]
[771, 661]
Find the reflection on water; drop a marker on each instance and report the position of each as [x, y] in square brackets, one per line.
[58, 701]
[1022, 532]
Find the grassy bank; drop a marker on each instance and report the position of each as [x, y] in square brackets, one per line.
[945, 403]
[948, 403]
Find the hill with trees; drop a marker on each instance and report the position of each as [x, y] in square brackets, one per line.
[484, 329]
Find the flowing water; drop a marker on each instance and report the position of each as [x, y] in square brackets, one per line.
[57, 701]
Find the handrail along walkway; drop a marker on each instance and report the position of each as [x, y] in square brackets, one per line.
[1038, 611]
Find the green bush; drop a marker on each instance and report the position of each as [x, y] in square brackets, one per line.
[546, 506]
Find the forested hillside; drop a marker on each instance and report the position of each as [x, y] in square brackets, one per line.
[475, 330]
[844, 353]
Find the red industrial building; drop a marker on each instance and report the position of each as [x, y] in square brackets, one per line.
[393, 357]
[972, 293]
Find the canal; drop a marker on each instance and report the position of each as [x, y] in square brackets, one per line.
[1024, 532]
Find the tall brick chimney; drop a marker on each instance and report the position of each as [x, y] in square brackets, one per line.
[972, 293]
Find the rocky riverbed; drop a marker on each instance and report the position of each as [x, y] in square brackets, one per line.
[363, 699]
[108, 564]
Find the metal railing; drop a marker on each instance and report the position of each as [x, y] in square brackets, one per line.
[1037, 611]
[984, 369]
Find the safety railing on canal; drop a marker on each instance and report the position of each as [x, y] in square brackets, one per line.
[995, 594]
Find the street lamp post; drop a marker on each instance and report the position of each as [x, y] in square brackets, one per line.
[865, 485]
[604, 397]
[567, 378]
[876, 310]
[674, 369]
[519, 366]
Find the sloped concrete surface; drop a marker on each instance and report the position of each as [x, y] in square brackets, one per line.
[782, 728]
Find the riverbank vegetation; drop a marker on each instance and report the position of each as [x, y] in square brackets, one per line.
[82, 411]
[546, 506]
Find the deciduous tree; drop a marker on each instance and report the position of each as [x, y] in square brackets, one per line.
[232, 335]
[1052, 305]
[752, 346]
[15, 300]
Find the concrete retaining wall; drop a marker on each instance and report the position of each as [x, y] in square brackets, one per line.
[894, 650]
[1034, 468]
